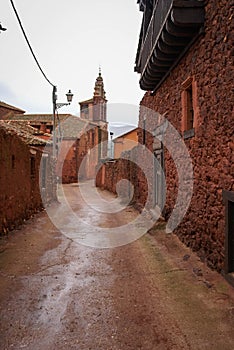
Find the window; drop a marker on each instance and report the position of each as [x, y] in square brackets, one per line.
[32, 166]
[93, 138]
[189, 107]
[144, 132]
[190, 111]
[43, 170]
[12, 162]
[228, 197]
[85, 111]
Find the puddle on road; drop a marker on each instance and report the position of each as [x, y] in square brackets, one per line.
[89, 219]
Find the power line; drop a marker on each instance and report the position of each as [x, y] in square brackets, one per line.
[30, 47]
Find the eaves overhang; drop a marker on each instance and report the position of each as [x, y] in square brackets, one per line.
[174, 26]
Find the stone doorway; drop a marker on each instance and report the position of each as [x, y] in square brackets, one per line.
[229, 234]
[159, 181]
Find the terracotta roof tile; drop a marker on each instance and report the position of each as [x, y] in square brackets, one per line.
[27, 133]
[73, 127]
[46, 118]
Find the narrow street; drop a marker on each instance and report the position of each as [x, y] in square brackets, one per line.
[151, 294]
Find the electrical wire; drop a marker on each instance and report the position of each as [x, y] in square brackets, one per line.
[30, 47]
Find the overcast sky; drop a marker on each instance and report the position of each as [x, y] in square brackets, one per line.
[70, 39]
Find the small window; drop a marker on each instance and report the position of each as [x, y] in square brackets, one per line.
[228, 197]
[13, 162]
[188, 107]
[144, 132]
[44, 166]
[190, 111]
[33, 166]
[85, 111]
[93, 138]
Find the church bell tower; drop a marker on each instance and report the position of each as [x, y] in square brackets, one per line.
[99, 100]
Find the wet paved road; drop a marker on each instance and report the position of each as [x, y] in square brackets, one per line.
[58, 294]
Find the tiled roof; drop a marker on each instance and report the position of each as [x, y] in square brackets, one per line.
[73, 127]
[27, 133]
[89, 122]
[5, 105]
[45, 118]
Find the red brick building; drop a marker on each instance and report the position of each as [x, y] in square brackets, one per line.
[185, 61]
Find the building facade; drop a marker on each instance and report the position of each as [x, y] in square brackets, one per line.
[21, 182]
[83, 145]
[125, 142]
[185, 63]
[81, 141]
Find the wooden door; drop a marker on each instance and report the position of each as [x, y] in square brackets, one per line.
[159, 182]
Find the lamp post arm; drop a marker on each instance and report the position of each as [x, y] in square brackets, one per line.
[55, 107]
[59, 105]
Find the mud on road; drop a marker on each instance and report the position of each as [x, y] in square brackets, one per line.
[150, 294]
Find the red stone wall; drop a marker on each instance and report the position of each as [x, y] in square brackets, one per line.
[112, 172]
[92, 152]
[20, 193]
[79, 158]
[72, 154]
[209, 61]
[67, 163]
[209, 64]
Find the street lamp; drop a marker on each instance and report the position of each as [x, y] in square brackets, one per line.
[69, 96]
[55, 107]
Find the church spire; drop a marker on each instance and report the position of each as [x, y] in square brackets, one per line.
[99, 99]
[99, 86]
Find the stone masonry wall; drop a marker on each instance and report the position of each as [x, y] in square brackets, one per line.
[112, 172]
[209, 62]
